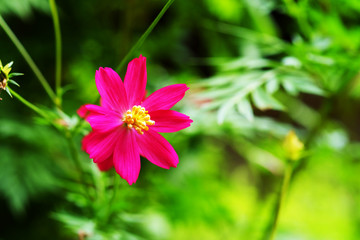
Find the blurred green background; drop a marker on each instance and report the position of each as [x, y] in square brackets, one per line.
[256, 69]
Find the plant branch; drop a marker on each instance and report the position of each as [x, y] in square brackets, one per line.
[27, 103]
[271, 229]
[77, 162]
[144, 36]
[55, 17]
[29, 60]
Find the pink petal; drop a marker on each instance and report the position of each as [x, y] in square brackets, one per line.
[106, 164]
[100, 146]
[127, 157]
[83, 111]
[135, 80]
[111, 90]
[169, 121]
[165, 98]
[157, 149]
[101, 119]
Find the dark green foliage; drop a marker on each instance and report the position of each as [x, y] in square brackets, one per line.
[256, 69]
[26, 170]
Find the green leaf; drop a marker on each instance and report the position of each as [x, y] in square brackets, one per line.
[9, 64]
[264, 101]
[223, 111]
[248, 63]
[15, 74]
[245, 109]
[13, 82]
[76, 223]
[307, 86]
[27, 173]
[290, 88]
[272, 85]
[8, 91]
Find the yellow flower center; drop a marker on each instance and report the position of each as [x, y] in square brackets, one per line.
[137, 118]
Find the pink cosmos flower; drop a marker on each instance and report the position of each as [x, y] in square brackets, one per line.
[126, 125]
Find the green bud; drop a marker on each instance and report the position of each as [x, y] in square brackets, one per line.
[293, 146]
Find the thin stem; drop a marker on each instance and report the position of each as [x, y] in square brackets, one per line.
[29, 60]
[144, 36]
[55, 17]
[77, 162]
[115, 187]
[116, 183]
[28, 104]
[136, 46]
[271, 230]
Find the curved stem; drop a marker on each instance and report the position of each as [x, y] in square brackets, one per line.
[29, 60]
[271, 230]
[144, 36]
[55, 17]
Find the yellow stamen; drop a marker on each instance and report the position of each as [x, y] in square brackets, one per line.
[137, 118]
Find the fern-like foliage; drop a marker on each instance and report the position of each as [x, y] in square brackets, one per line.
[244, 84]
[26, 170]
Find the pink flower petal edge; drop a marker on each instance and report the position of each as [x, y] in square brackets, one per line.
[106, 164]
[100, 119]
[111, 89]
[165, 98]
[135, 80]
[100, 146]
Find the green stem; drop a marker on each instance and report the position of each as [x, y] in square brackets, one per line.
[144, 36]
[280, 201]
[75, 157]
[69, 138]
[27, 103]
[115, 187]
[137, 45]
[109, 210]
[55, 17]
[29, 60]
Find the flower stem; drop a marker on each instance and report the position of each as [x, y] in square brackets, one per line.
[55, 17]
[109, 210]
[144, 36]
[29, 60]
[77, 162]
[138, 43]
[69, 138]
[280, 201]
[27, 103]
[115, 188]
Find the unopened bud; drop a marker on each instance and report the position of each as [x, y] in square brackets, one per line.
[5, 76]
[293, 146]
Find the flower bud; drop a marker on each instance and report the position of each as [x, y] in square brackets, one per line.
[5, 76]
[293, 146]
